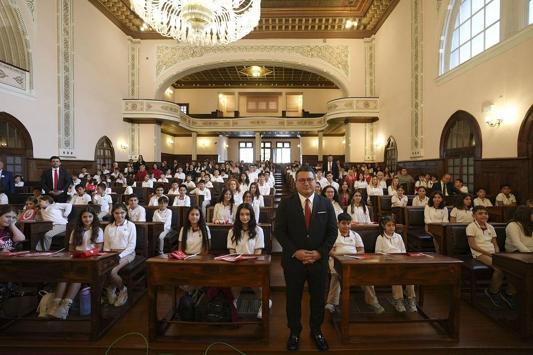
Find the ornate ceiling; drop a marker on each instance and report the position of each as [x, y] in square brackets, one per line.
[232, 77]
[282, 18]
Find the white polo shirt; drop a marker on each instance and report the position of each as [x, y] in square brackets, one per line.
[483, 237]
[247, 245]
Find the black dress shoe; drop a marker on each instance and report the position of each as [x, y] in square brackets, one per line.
[320, 341]
[293, 342]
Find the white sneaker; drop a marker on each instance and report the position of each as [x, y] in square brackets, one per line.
[377, 308]
[61, 311]
[398, 305]
[260, 312]
[411, 305]
[122, 297]
[111, 295]
[330, 308]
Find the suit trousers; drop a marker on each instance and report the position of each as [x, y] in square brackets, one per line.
[296, 274]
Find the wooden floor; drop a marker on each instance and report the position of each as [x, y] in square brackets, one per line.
[479, 335]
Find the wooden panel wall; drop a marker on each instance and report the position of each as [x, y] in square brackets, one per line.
[491, 173]
[37, 166]
[429, 166]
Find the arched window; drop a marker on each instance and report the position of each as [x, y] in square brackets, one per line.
[525, 144]
[391, 155]
[460, 145]
[15, 144]
[104, 154]
[471, 27]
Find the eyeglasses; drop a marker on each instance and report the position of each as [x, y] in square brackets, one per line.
[303, 181]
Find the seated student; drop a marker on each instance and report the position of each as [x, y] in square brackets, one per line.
[358, 210]
[373, 189]
[201, 190]
[435, 211]
[420, 200]
[37, 192]
[90, 185]
[180, 175]
[393, 188]
[246, 237]
[345, 194]
[189, 183]
[421, 182]
[361, 183]
[399, 199]
[264, 187]
[460, 186]
[87, 235]
[208, 182]
[103, 199]
[194, 237]
[483, 243]
[258, 198]
[233, 185]
[9, 233]
[244, 183]
[30, 211]
[381, 179]
[348, 242]
[174, 188]
[182, 199]
[505, 197]
[331, 194]
[269, 178]
[321, 180]
[249, 198]
[330, 182]
[136, 213]
[519, 231]
[225, 208]
[391, 242]
[154, 200]
[4, 200]
[318, 188]
[147, 182]
[119, 236]
[216, 177]
[128, 191]
[57, 213]
[481, 199]
[163, 214]
[462, 212]
[71, 191]
[19, 181]
[80, 197]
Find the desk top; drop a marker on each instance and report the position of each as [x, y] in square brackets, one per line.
[230, 225]
[408, 258]
[209, 260]
[63, 256]
[526, 258]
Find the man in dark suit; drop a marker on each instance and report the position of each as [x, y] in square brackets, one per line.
[6, 179]
[445, 186]
[330, 165]
[56, 180]
[306, 229]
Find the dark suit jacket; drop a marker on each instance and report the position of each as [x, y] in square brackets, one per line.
[290, 226]
[6, 179]
[47, 184]
[449, 187]
[334, 169]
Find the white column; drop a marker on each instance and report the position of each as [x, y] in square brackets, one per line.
[222, 148]
[320, 146]
[347, 143]
[370, 90]
[133, 93]
[157, 142]
[417, 80]
[257, 146]
[300, 149]
[194, 146]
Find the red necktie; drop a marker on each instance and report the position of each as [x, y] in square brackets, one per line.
[307, 213]
[56, 179]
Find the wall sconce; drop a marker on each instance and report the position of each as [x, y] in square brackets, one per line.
[379, 142]
[170, 141]
[492, 117]
[123, 146]
[344, 141]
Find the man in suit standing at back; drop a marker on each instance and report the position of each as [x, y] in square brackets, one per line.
[445, 186]
[6, 179]
[330, 165]
[56, 180]
[306, 229]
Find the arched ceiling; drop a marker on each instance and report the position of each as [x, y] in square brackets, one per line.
[13, 49]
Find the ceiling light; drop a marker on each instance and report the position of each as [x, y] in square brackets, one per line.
[200, 22]
[350, 23]
[255, 71]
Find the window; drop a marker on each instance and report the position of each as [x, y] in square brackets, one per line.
[460, 146]
[391, 155]
[474, 26]
[104, 154]
[283, 152]
[184, 108]
[530, 12]
[246, 152]
[262, 104]
[15, 144]
[266, 151]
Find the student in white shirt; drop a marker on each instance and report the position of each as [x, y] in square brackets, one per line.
[252, 174]
[4, 200]
[208, 182]
[381, 180]
[393, 188]
[216, 177]
[391, 242]
[420, 200]
[321, 180]
[361, 183]
[519, 231]
[270, 179]
[136, 213]
[147, 182]
[203, 191]
[103, 200]
[180, 174]
[462, 212]
[435, 211]
[258, 198]
[460, 186]
[264, 187]
[189, 183]
[233, 185]
[163, 214]
[331, 194]
[119, 236]
[329, 178]
[246, 237]
[225, 208]
[57, 213]
[421, 182]
[74, 180]
[247, 197]
[348, 242]
[374, 189]
[505, 197]
[482, 239]
[195, 237]
[182, 199]
[358, 210]
[481, 199]
[244, 183]
[154, 200]
[80, 198]
[87, 235]
[399, 199]
[174, 189]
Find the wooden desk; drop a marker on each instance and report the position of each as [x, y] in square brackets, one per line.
[438, 231]
[518, 267]
[394, 269]
[150, 231]
[61, 267]
[34, 231]
[205, 271]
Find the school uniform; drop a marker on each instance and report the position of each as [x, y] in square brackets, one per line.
[399, 202]
[482, 202]
[217, 178]
[207, 198]
[86, 243]
[128, 191]
[154, 200]
[245, 244]
[338, 209]
[57, 213]
[462, 215]
[361, 185]
[4, 200]
[223, 213]
[506, 201]
[517, 240]
[391, 191]
[190, 185]
[185, 202]
[323, 182]
[359, 215]
[334, 184]
[172, 191]
[237, 197]
[435, 215]
[179, 176]
[80, 200]
[164, 216]
[417, 202]
[264, 189]
[138, 214]
[148, 183]
[104, 202]
[122, 239]
[243, 187]
[194, 240]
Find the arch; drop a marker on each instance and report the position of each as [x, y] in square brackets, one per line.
[471, 120]
[390, 154]
[15, 156]
[16, 51]
[525, 135]
[104, 153]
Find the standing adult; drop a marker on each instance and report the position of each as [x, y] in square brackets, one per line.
[140, 161]
[306, 229]
[56, 180]
[330, 165]
[6, 179]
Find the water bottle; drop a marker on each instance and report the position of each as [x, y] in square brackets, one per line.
[85, 301]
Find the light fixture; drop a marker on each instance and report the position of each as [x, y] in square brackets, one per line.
[255, 71]
[170, 141]
[492, 117]
[123, 146]
[351, 23]
[200, 22]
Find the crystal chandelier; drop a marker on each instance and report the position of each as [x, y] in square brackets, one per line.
[200, 22]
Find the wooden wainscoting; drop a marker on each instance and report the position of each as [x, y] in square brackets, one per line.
[35, 167]
[491, 173]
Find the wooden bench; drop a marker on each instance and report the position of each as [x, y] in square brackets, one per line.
[418, 238]
[370, 232]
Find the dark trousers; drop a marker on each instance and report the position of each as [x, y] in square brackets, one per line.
[296, 274]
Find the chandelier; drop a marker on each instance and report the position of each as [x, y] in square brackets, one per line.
[255, 71]
[200, 22]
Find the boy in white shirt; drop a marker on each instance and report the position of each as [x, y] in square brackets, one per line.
[348, 242]
[399, 199]
[482, 239]
[180, 175]
[505, 197]
[4, 200]
[147, 182]
[163, 214]
[459, 185]
[264, 188]
[216, 177]
[154, 200]
[329, 178]
[102, 199]
[203, 191]
[252, 174]
[136, 213]
[174, 189]
[182, 199]
[481, 199]
[80, 197]
[57, 213]
[270, 179]
[189, 183]
[321, 179]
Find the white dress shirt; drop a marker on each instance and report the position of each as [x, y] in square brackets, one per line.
[121, 238]
[138, 214]
[164, 216]
[390, 244]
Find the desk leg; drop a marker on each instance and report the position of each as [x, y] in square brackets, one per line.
[455, 304]
[265, 296]
[526, 311]
[96, 307]
[152, 311]
[345, 307]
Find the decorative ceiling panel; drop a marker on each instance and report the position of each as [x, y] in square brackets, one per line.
[281, 18]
